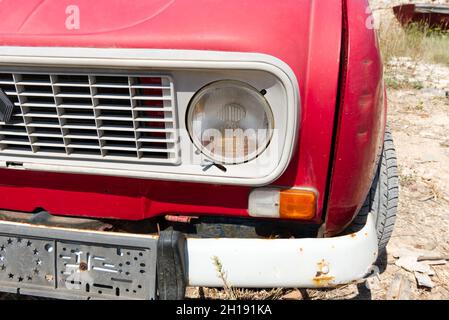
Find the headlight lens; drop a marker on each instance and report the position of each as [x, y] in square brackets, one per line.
[230, 121]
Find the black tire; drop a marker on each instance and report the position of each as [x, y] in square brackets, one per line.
[383, 196]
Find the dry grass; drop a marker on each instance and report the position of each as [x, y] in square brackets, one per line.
[416, 41]
[230, 293]
[435, 192]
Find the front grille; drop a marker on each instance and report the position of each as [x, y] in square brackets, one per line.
[127, 118]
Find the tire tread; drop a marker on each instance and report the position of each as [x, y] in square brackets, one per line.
[383, 197]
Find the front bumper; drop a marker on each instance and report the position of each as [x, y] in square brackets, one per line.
[88, 264]
[288, 263]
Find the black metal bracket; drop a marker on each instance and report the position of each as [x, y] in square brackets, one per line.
[171, 265]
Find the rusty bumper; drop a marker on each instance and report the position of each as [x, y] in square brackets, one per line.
[288, 263]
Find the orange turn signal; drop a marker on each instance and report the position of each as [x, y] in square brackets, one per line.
[297, 204]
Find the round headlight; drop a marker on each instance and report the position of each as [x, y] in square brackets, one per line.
[230, 121]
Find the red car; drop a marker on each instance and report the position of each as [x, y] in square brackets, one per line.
[147, 147]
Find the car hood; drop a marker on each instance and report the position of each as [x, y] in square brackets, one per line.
[274, 27]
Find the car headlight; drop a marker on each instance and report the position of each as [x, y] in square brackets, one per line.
[230, 121]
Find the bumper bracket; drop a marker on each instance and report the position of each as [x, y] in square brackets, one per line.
[171, 266]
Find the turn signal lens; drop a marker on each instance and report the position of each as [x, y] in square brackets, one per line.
[297, 204]
[276, 203]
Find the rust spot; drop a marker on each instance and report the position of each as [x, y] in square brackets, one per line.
[366, 234]
[352, 235]
[301, 249]
[322, 277]
[322, 280]
[180, 219]
[83, 266]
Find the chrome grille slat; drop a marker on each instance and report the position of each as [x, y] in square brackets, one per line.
[132, 91]
[123, 117]
[20, 101]
[54, 90]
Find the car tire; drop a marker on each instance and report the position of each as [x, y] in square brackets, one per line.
[382, 199]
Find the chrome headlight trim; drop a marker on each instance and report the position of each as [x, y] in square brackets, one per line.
[221, 84]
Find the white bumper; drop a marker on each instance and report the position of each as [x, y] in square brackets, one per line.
[288, 263]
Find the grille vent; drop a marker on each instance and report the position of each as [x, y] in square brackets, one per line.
[125, 118]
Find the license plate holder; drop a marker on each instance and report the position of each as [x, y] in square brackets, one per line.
[76, 264]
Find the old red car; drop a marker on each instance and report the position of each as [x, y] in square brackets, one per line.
[146, 144]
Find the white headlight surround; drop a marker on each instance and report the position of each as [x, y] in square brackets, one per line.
[190, 70]
[230, 121]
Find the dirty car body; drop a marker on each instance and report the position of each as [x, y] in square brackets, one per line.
[101, 129]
